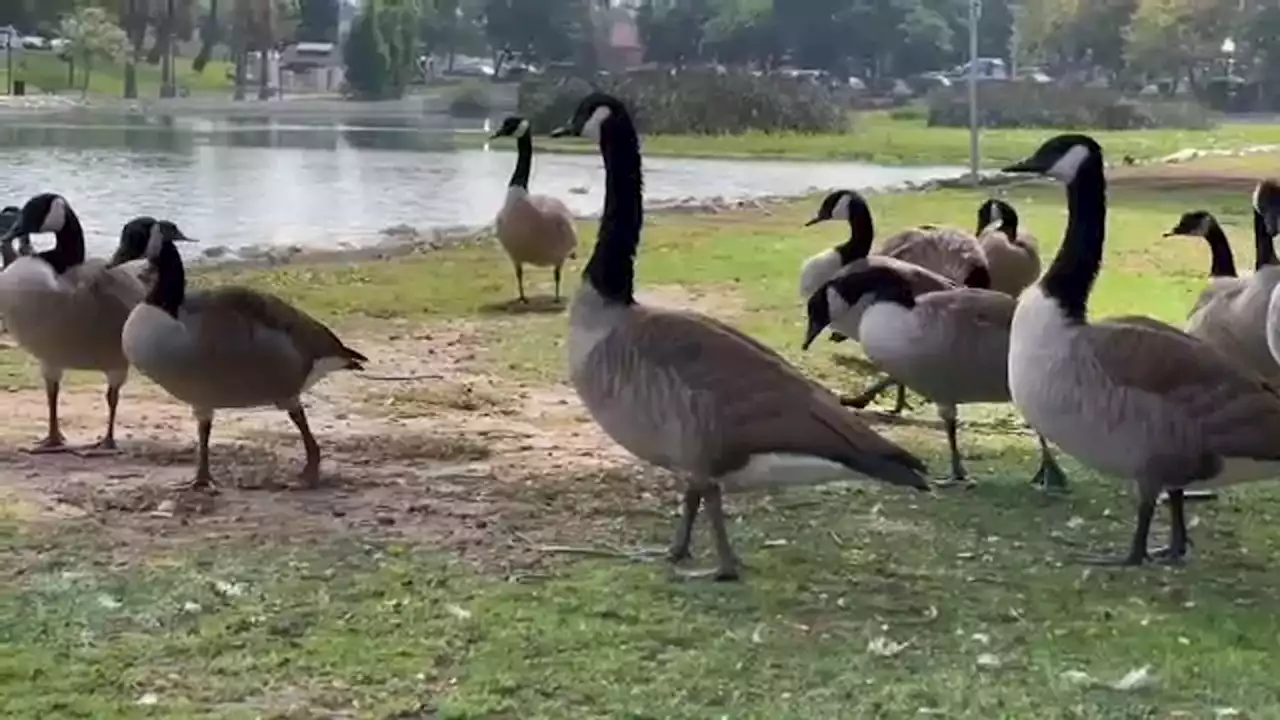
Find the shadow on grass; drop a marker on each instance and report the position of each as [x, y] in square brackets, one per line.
[537, 305]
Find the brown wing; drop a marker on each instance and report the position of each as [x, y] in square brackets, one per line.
[950, 252]
[921, 279]
[238, 310]
[765, 404]
[1239, 412]
[974, 308]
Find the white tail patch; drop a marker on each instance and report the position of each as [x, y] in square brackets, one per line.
[783, 469]
[56, 218]
[322, 367]
[591, 128]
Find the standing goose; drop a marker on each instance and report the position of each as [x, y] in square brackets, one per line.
[230, 347]
[691, 394]
[952, 346]
[533, 229]
[1013, 255]
[1141, 401]
[66, 311]
[933, 259]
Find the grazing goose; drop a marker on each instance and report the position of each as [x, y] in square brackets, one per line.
[66, 311]
[1136, 400]
[1013, 255]
[533, 229]
[230, 347]
[936, 259]
[952, 346]
[9, 216]
[691, 394]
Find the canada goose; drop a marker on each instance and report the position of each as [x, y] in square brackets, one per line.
[952, 346]
[946, 257]
[1013, 255]
[66, 311]
[533, 229]
[229, 347]
[691, 394]
[1141, 401]
[9, 216]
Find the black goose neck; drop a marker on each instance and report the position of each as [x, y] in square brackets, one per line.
[170, 286]
[1221, 262]
[861, 232]
[1075, 268]
[1265, 251]
[68, 249]
[611, 269]
[1009, 225]
[524, 162]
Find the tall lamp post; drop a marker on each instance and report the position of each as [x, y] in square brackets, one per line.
[975, 12]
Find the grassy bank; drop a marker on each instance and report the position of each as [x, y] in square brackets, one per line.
[877, 137]
[45, 72]
[429, 579]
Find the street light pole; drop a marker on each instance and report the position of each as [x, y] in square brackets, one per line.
[975, 11]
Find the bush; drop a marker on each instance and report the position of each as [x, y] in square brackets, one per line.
[1029, 105]
[367, 59]
[913, 113]
[470, 100]
[700, 103]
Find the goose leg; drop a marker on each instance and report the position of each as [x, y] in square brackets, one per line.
[1050, 475]
[684, 531]
[1176, 551]
[556, 274]
[1138, 547]
[901, 403]
[311, 470]
[107, 445]
[836, 337]
[864, 399]
[520, 282]
[727, 563]
[53, 441]
[958, 474]
[204, 427]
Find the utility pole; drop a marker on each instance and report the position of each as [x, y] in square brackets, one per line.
[167, 89]
[975, 11]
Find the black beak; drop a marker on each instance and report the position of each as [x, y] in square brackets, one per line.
[562, 132]
[814, 221]
[496, 135]
[1025, 166]
[183, 238]
[810, 335]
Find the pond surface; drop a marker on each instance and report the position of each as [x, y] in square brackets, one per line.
[321, 183]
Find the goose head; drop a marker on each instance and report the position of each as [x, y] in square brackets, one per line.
[1266, 203]
[514, 126]
[840, 205]
[838, 297]
[594, 113]
[1061, 157]
[996, 214]
[1197, 223]
[142, 238]
[44, 213]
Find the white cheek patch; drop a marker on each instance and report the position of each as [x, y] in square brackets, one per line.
[56, 218]
[836, 306]
[1257, 197]
[841, 209]
[1206, 223]
[155, 241]
[522, 129]
[997, 217]
[591, 128]
[1067, 166]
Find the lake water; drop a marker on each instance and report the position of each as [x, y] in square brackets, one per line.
[320, 183]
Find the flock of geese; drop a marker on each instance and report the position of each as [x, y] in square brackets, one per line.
[958, 317]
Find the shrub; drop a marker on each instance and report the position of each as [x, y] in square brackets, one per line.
[912, 113]
[694, 102]
[1029, 105]
[470, 100]
[367, 59]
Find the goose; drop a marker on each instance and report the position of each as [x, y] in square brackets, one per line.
[690, 394]
[9, 216]
[228, 347]
[952, 346]
[945, 258]
[533, 229]
[1013, 255]
[67, 311]
[1142, 401]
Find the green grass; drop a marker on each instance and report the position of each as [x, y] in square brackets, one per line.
[45, 72]
[876, 137]
[987, 615]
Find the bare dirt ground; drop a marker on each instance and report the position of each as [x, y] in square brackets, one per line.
[444, 454]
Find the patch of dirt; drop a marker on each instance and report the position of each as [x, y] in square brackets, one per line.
[719, 301]
[1178, 177]
[424, 446]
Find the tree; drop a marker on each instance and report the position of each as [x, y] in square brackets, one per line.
[318, 20]
[545, 30]
[1177, 37]
[367, 57]
[92, 35]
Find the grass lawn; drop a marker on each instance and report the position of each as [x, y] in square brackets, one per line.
[45, 72]
[420, 584]
[876, 137]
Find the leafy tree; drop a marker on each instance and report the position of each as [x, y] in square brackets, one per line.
[1177, 36]
[93, 35]
[545, 30]
[318, 20]
[367, 56]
